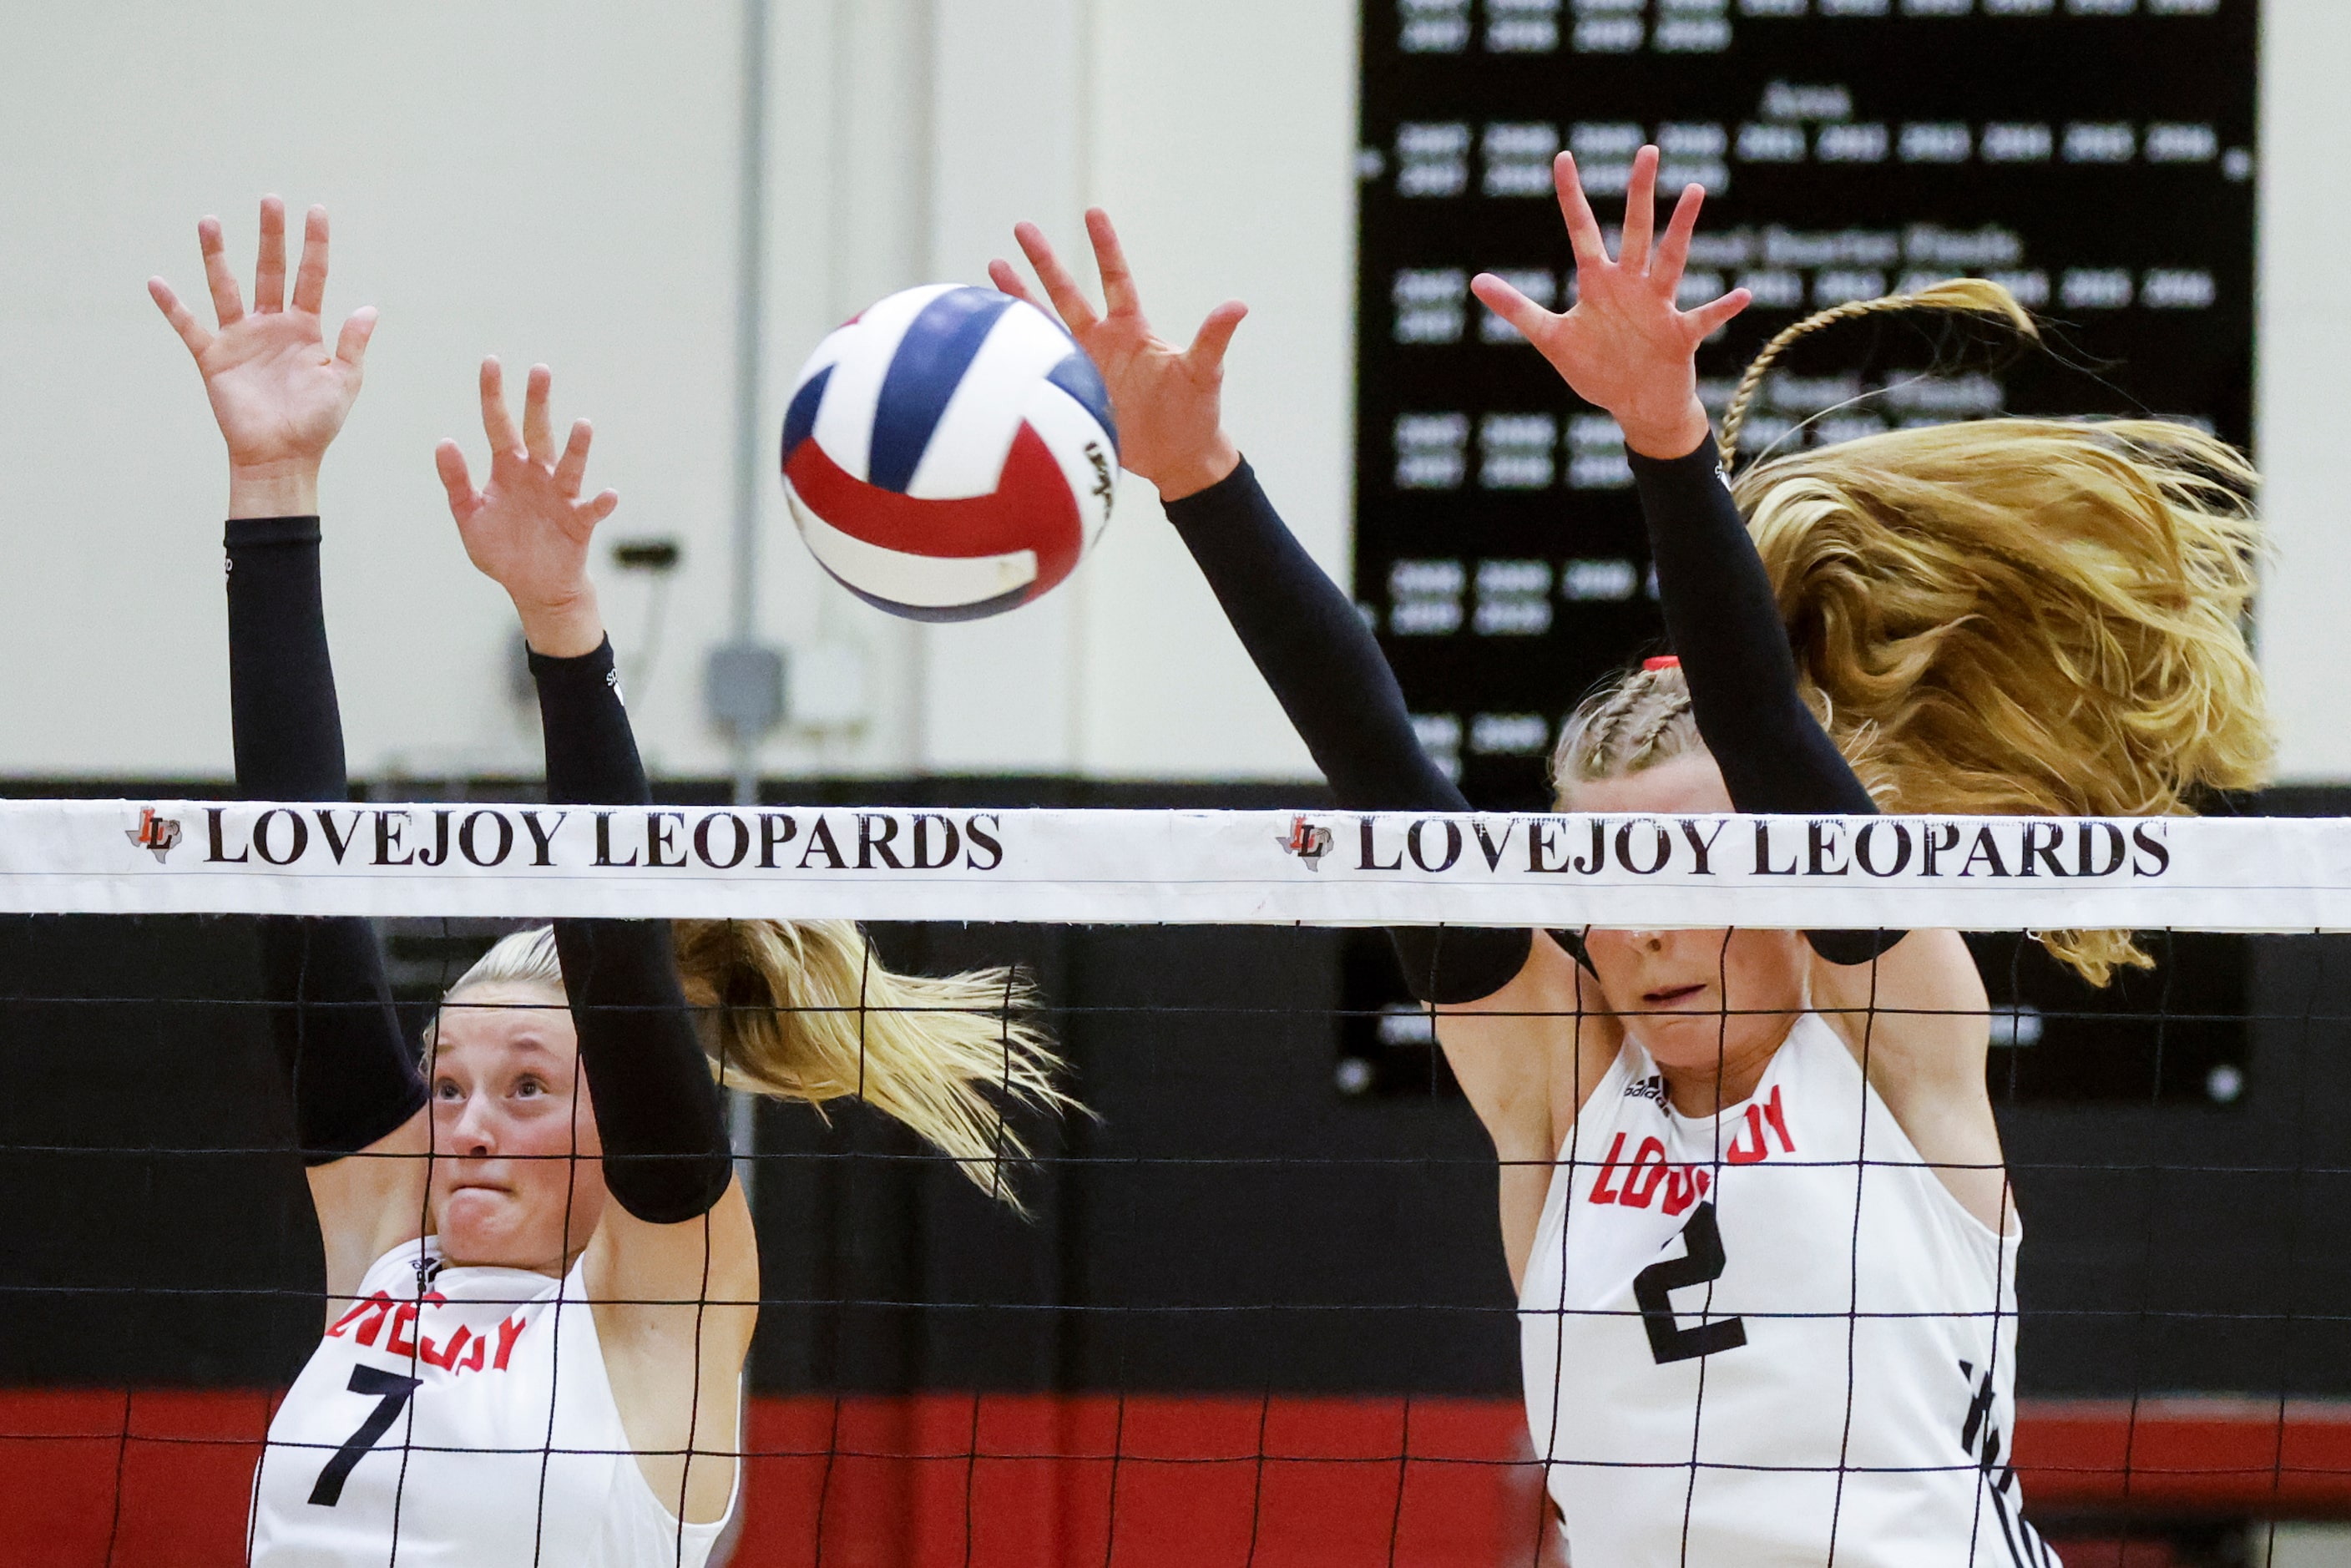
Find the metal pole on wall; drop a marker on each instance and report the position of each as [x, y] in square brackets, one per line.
[744, 681]
[750, 264]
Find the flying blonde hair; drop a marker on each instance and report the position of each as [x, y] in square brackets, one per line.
[804, 1010]
[2036, 617]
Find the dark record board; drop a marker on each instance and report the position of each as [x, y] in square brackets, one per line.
[2094, 154]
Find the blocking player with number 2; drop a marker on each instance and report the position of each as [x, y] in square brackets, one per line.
[1751, 1190]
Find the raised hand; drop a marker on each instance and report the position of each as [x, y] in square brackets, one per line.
[1624, 347]
[527, 529]
[1167, 401]
[277, 393]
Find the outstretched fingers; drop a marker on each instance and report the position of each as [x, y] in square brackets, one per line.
[228, 304]
[1207, 354]
[537, 424]
[449, 462]
[269, 269]
[1007, 280]
[1511, 306]
[1119, 294]
[310, 280]
[1640, 212]
[1710, 317]
[1582, 227]
[571, 470]
[497, 419]
[183, 319]
[1076, 312]
[1673, 251]
[350, 346]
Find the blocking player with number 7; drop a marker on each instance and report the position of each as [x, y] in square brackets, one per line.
[541, 1278]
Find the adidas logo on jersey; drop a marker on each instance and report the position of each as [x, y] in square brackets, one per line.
[1651, 1088]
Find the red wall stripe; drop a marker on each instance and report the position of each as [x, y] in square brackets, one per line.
[1290, 1482]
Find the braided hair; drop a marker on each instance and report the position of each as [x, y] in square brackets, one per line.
[1974, 295]
[1634, 723]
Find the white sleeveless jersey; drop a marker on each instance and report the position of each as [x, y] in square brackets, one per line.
[459, 1417]
[1725, 1363]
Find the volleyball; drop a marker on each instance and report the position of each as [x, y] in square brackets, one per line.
[949, 454]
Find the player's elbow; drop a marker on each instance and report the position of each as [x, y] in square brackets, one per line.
[668, 1189]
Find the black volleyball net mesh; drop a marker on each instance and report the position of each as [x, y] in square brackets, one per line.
[1259, 1311]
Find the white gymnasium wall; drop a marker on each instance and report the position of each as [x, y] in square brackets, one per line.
[541, 180]
[558, 182]
[2304, 407]
[909, 137]
[2299, 1546]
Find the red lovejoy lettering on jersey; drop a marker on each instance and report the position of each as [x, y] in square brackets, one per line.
[402, 1340]
[373, 1308]
[1636, 1186]
[1751, 1146]
[1647, 1170]
[1601, 1191]
[509, 1331]
[1685, 1184]
[444, 1357]
[454, 1358]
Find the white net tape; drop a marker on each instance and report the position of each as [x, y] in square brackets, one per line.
[1319, 867]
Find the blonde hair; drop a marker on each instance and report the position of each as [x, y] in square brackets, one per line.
[1631, 724]
[2010, 617]
[804, 1010]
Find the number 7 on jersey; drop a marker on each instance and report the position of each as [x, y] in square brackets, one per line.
[393, 1391]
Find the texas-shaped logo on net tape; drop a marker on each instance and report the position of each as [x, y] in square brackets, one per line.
[159, 834]
[1308, 839]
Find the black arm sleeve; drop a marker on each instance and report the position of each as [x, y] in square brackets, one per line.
[665, 1152]
[1724, 623]
[355, 1077]
[1325, 669]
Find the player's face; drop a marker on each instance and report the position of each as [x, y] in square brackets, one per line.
[1700, 1002]
[511, 1112]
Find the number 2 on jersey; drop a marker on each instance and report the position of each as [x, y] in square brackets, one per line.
[1701, 1263]
[393, 1391]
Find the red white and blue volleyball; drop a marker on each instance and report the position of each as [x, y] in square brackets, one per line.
[949, 454]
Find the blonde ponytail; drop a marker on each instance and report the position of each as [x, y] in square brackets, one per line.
[2025, 616]
[2037, 617]
[805, 1010]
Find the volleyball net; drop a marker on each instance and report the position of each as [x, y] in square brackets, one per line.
[1110, 867]
[1259, 1314]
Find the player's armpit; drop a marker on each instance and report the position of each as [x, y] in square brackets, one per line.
[1918, 1019]
[675, 1306]
[1919, 1010]
[1527, 1058]
[369, 1202]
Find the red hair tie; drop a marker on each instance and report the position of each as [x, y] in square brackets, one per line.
[1663, 662]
